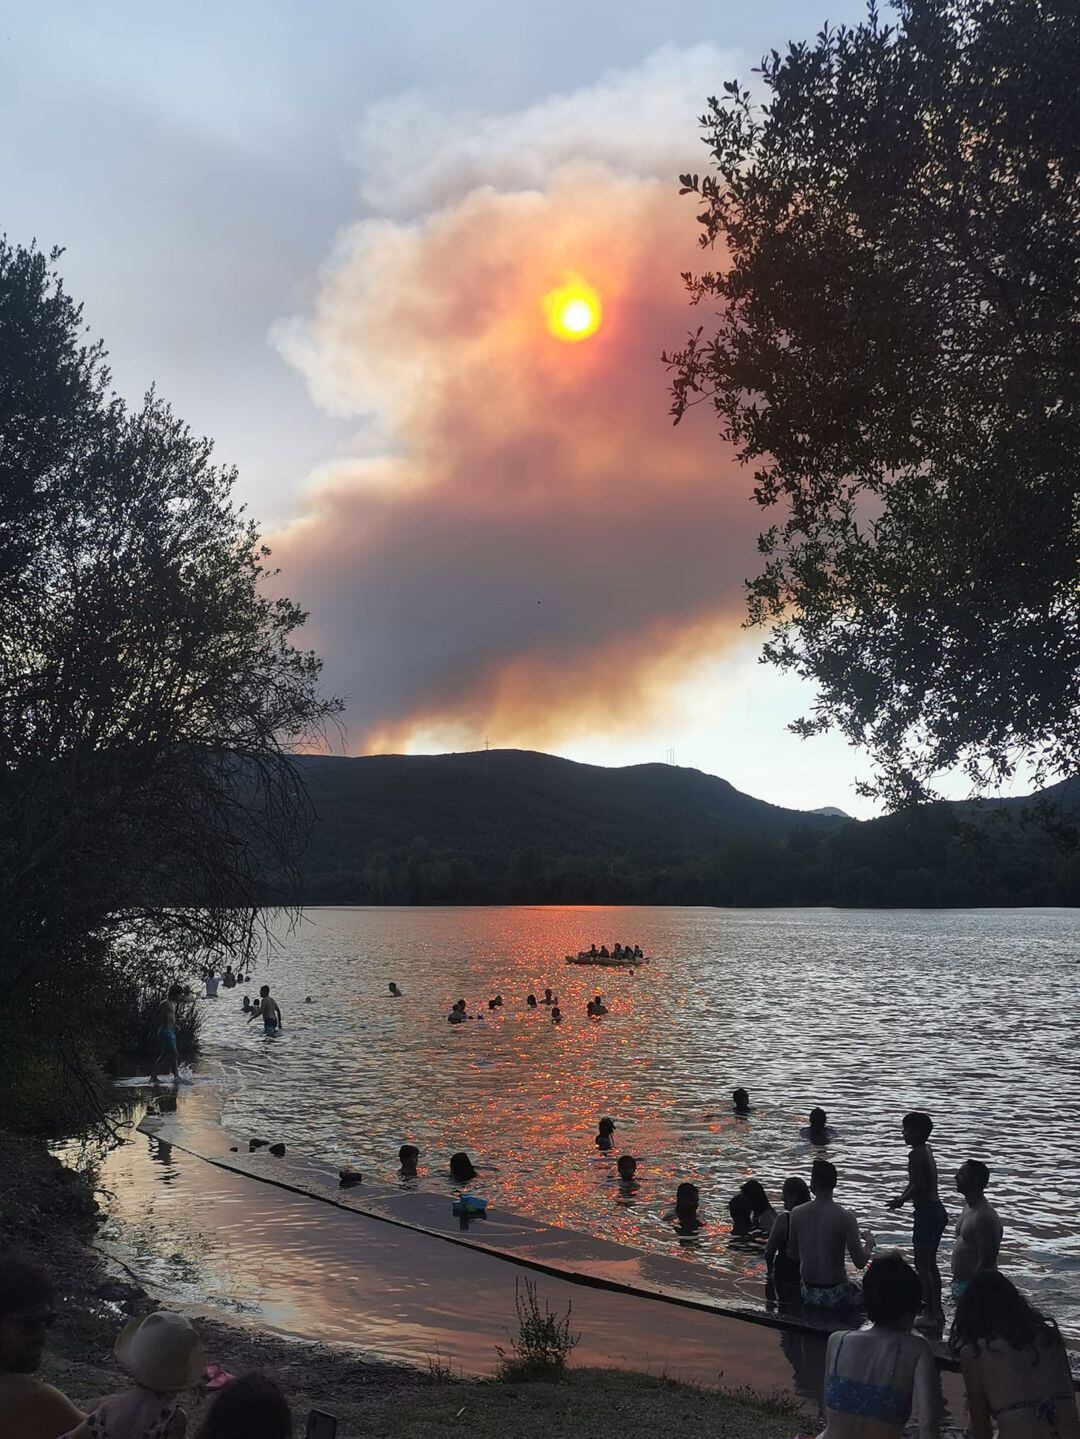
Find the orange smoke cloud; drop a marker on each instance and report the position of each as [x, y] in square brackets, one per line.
[524, 547]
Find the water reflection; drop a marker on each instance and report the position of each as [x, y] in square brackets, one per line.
[867, 1014]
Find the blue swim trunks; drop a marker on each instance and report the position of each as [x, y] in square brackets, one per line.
[168, 1037]
[831, 1296]
[270, 1025]
[958, 1287]
[928, 1222]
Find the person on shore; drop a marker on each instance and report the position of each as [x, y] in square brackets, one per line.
[604, 1131]
[556, 1014]
[28, 1407]
[818, 1234]
[626, 1164]
[686, 1215]
[1015, 1366]
[250, 1407]
[268, 1008]
[740, 1100]
[530, 1001]
[874, 1377]
[164, 1355]
[394, 991]
[978, 1230]
[928, 1217]
[461, 1168]
[168, 1055]
[408, 1157]
[762, 1214]
[819, 1130]
[795, 1191]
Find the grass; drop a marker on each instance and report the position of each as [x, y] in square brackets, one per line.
[593, 1404]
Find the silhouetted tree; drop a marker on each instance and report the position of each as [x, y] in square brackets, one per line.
[897, 355]
[148, 686]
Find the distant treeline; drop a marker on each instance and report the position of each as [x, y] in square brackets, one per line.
[938, 856]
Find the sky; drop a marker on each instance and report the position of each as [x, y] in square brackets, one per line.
[325, 232]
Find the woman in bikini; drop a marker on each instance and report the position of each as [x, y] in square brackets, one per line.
[1016, 1370]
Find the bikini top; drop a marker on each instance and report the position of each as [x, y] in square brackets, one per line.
[874, 1401]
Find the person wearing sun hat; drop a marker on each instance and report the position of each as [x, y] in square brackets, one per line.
[164, 1355]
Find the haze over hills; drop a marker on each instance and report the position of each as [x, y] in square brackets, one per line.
[516, 825]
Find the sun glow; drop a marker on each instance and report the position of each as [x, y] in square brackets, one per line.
[573, 310]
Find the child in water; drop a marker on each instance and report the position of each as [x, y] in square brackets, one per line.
[605, 1130]
[408, 1158]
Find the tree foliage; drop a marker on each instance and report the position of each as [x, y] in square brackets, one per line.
[149, 684]
[897, 353]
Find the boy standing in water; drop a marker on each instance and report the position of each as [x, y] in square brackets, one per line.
[268, 1008]
[929, 1218]
[167, 1036]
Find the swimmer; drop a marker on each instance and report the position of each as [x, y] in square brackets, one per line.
[548, 998]
[309, 1000]
[686, 1214]
[819, 1130]
[597, 1007]
[247, 1005]
[461, 1168]
[395, 992]
[556, 1014]
[408, 1158]
[268, 1008]
[762, 1214]
[740, 1099]
[742, 1216]
[456, 1016]
[626, 1164]
[531, 1001]
[495, 1003]
[605, 1129]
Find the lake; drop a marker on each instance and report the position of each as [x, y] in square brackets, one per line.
[968, 1014]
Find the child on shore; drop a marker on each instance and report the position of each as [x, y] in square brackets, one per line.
[929, 1217]
[164, 1355]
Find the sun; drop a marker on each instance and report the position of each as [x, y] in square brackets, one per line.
[573, 310]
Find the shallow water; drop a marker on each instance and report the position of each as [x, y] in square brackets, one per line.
[970, 1015]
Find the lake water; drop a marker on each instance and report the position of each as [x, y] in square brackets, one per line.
[970, 1015]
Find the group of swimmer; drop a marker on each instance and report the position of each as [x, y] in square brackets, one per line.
[595, 1008]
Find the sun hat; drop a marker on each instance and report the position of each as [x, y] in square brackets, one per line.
[162, 1351]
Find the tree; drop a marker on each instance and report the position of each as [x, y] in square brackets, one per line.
[149, 688]
[897, 353]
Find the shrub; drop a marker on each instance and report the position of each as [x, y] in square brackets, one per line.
[542, 1344]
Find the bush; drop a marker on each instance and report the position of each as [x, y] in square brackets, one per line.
[543, 1342]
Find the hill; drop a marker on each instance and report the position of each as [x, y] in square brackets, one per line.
[518, 826]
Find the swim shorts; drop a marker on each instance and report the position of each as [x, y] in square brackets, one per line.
[958, 1287]
[929, 1221]
[832, 1296]
[168, 1037]
[270, 1026]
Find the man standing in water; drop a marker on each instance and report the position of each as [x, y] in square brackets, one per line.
[929, 1219]
[818, 1234]
[978, 1230]
[268, 1008]
[167, 1036]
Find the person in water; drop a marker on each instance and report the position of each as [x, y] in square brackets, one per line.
[626, 1164]
[740, 1099]
[1015, 1366]
[929, 1218]
[639, 953]
[394, 990]
[596, 1006]
[461, 1168]
[246, 1005]
[686, 1214]
[592, 950]
[268, 1008]
[978, 1230]
[556, 1014]
[604, 954]
[795, 1191]
[408, 1157]
[818, 1234]
[819, 1130]
[168, 1057]
[548, 998]
[874, 1377]
[495, 1003]
[530, 1000]
[604, 1130]
[762, 1214]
